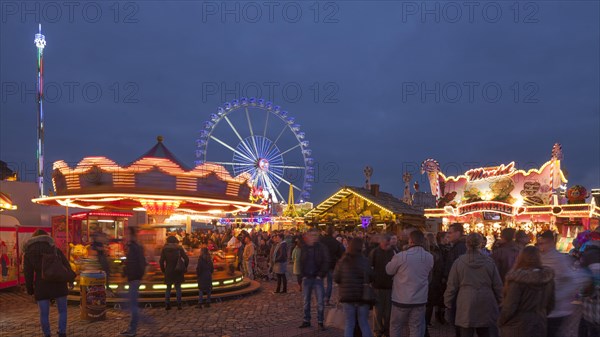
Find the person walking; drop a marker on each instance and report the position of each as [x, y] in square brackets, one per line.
[280, 263]
[505, 252]
[135, 267]
[36, 250]
[204, 271]
[474, 290]
[528, 296]
[335, 250]
[249, 257]
[171, 267]
[351, 274]
[314, 265]
[567, 282]
[296, 262]
[382, 285]
[410, 269]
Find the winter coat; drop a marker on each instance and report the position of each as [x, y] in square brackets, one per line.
[474, 291]
[296, 260]
[334, 248]
[454, 252]
[410, 269]
[378, 259]
[320, 260]
[436, 287]
[135, 262]
[169, 255]
[567, 282]
[351, 273]
[280, 258]
[35, 248]
[505, 256]
[528, 298]
[204, 271]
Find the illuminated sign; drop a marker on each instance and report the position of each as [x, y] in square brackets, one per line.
[486, 206]
[489, 172]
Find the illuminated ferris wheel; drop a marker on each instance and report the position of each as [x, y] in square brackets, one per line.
[257, 137]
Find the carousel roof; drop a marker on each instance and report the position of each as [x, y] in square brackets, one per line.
[154, 180]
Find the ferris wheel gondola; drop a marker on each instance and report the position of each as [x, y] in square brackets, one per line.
[262, 140]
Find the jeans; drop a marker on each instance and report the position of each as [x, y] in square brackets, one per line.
[353, 311]
[414, 317]
[134, 289]
[177, 293]
[248, 270]
[382, 311]
[470, 332]
[200, 296]
[281, 283]
[308, 284]
[329, 288]
[44, 306]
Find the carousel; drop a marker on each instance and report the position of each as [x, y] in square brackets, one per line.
[158, 184]
[488, 199]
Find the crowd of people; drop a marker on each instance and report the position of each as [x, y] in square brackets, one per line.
[514, 289]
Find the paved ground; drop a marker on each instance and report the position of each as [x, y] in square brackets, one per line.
[262, 314]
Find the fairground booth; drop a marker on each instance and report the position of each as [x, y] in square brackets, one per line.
[369, 209]
[158, 184]
[488, 199]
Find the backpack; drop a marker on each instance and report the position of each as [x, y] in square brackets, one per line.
[53, 269]
[180, 266]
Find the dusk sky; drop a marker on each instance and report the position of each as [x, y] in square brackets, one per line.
[379, 83]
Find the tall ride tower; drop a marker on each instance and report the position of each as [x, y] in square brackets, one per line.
[40, 43]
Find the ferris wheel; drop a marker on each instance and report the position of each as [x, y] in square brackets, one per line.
[257, 137]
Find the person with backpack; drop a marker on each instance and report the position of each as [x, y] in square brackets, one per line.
[44, 266]
[135, 267]
[204, 271]
[173, 263]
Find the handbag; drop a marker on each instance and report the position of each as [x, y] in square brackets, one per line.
[53, 269]
[336, 318]
[368, 295]
[180, 266]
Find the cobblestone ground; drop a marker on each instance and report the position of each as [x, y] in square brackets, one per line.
[262, 314]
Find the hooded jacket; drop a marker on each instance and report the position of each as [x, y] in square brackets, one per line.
[34, 249]
[474, 290]
[172, 252]
[528, 298]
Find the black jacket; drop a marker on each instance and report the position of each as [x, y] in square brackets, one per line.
[454, 252]
[204, 271]
[334, 248]
[378, 259]
[321, 260]
[171, 252]
[35, 248]
[135, 264]
[351, 273]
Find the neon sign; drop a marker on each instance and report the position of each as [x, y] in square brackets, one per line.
[489, 172]
[489, 206]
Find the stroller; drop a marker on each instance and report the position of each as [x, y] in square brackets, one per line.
[261, 270]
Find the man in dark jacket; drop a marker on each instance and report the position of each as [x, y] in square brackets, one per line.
[506, 252]
[314, 265]
[170, 255]
[39, 245]
[335, 250]
[382, 285]
[135, 267]
[456, 248]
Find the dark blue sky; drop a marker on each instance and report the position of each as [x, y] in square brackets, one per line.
[383, 83]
